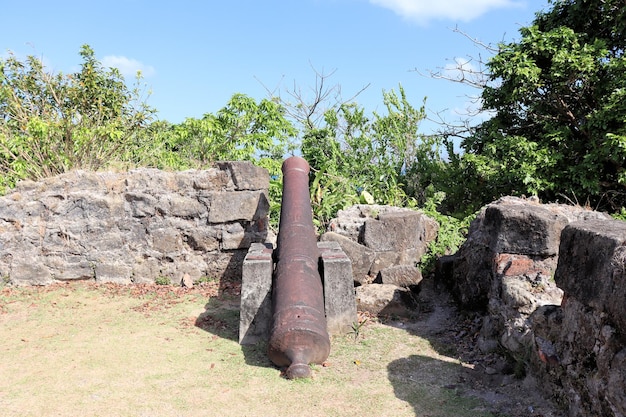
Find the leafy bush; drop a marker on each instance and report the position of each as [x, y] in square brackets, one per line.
[52, 123]
[354, 158]
[452, 232]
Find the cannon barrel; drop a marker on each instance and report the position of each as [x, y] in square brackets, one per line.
[298, 334]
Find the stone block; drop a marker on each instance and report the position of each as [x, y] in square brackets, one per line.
[204, 239]
[166, 240]
[30, 272]
[384, 260]
[143, 179]
[141, 204]
[360, 256]
[181, 206]
[246, 176]
[235, 236]
[210, 180]
[339, 298]
[229, 207]
[524, 229]
[256, 294]
[400, 275]
[385, 300]
[69, 267]
[113, 271]
[592, 266]
[394, 231]
[145, 270]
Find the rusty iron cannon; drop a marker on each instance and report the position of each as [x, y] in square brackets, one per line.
[298, 334]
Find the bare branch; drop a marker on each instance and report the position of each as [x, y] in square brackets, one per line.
[486, 46]
[309, 109]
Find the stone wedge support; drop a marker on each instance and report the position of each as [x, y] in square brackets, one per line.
[339, 298]
[256, 292]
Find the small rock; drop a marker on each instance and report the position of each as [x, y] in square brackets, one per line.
[186, 281]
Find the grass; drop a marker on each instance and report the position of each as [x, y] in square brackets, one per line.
[83, 349]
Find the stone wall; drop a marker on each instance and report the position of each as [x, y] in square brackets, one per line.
[137, 226]
[550, 282]
[385, 245]
[581, 343]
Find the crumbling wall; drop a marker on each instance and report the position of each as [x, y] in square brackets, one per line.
[581, 344]
[136, 226]
[550, 281]
[384, 244]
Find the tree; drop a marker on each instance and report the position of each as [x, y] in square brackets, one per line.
[355, 158]
[242, 130]
[52, 123]
[558, 96]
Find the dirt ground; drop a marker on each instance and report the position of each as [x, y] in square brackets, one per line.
[495, 378]
[103, 350]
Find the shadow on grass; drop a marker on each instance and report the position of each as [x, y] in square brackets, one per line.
[221, 318]
[418, 380]
[447, 386]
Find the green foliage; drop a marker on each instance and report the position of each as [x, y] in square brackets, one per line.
[356, 328]
[358, 159]
[206, 280]
[451, 235]
[162, 280]
[559, 101]
[52, 123]
[243, 130]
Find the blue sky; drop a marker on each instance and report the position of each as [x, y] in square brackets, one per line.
[195, 55]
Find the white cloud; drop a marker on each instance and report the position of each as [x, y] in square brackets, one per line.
[128, 67]
[422, 11]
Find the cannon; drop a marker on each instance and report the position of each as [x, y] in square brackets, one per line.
[298, 335]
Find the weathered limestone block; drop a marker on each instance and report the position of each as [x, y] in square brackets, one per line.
[395, 231]
[228, 207]
[339, 295]
[376, 237]
[384, 260]
[246, 176]
[113, 271]
[360, 256]
[578, 356]
[210, 180]
[29, 271]
[400, 275]
[205, 239]
[148, 180]
[349, 222]
[255, 313]
[236, 236]
[385, 300]
[141, 204]
[592, 267]
[166, 240]
[181, 206]
[146, 269]
[510, 237]
[529, 229]
[69, 267]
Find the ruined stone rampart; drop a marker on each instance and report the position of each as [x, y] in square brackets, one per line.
[551, 282]
[137, 226]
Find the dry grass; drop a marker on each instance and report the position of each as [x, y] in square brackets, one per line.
[90, 350]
